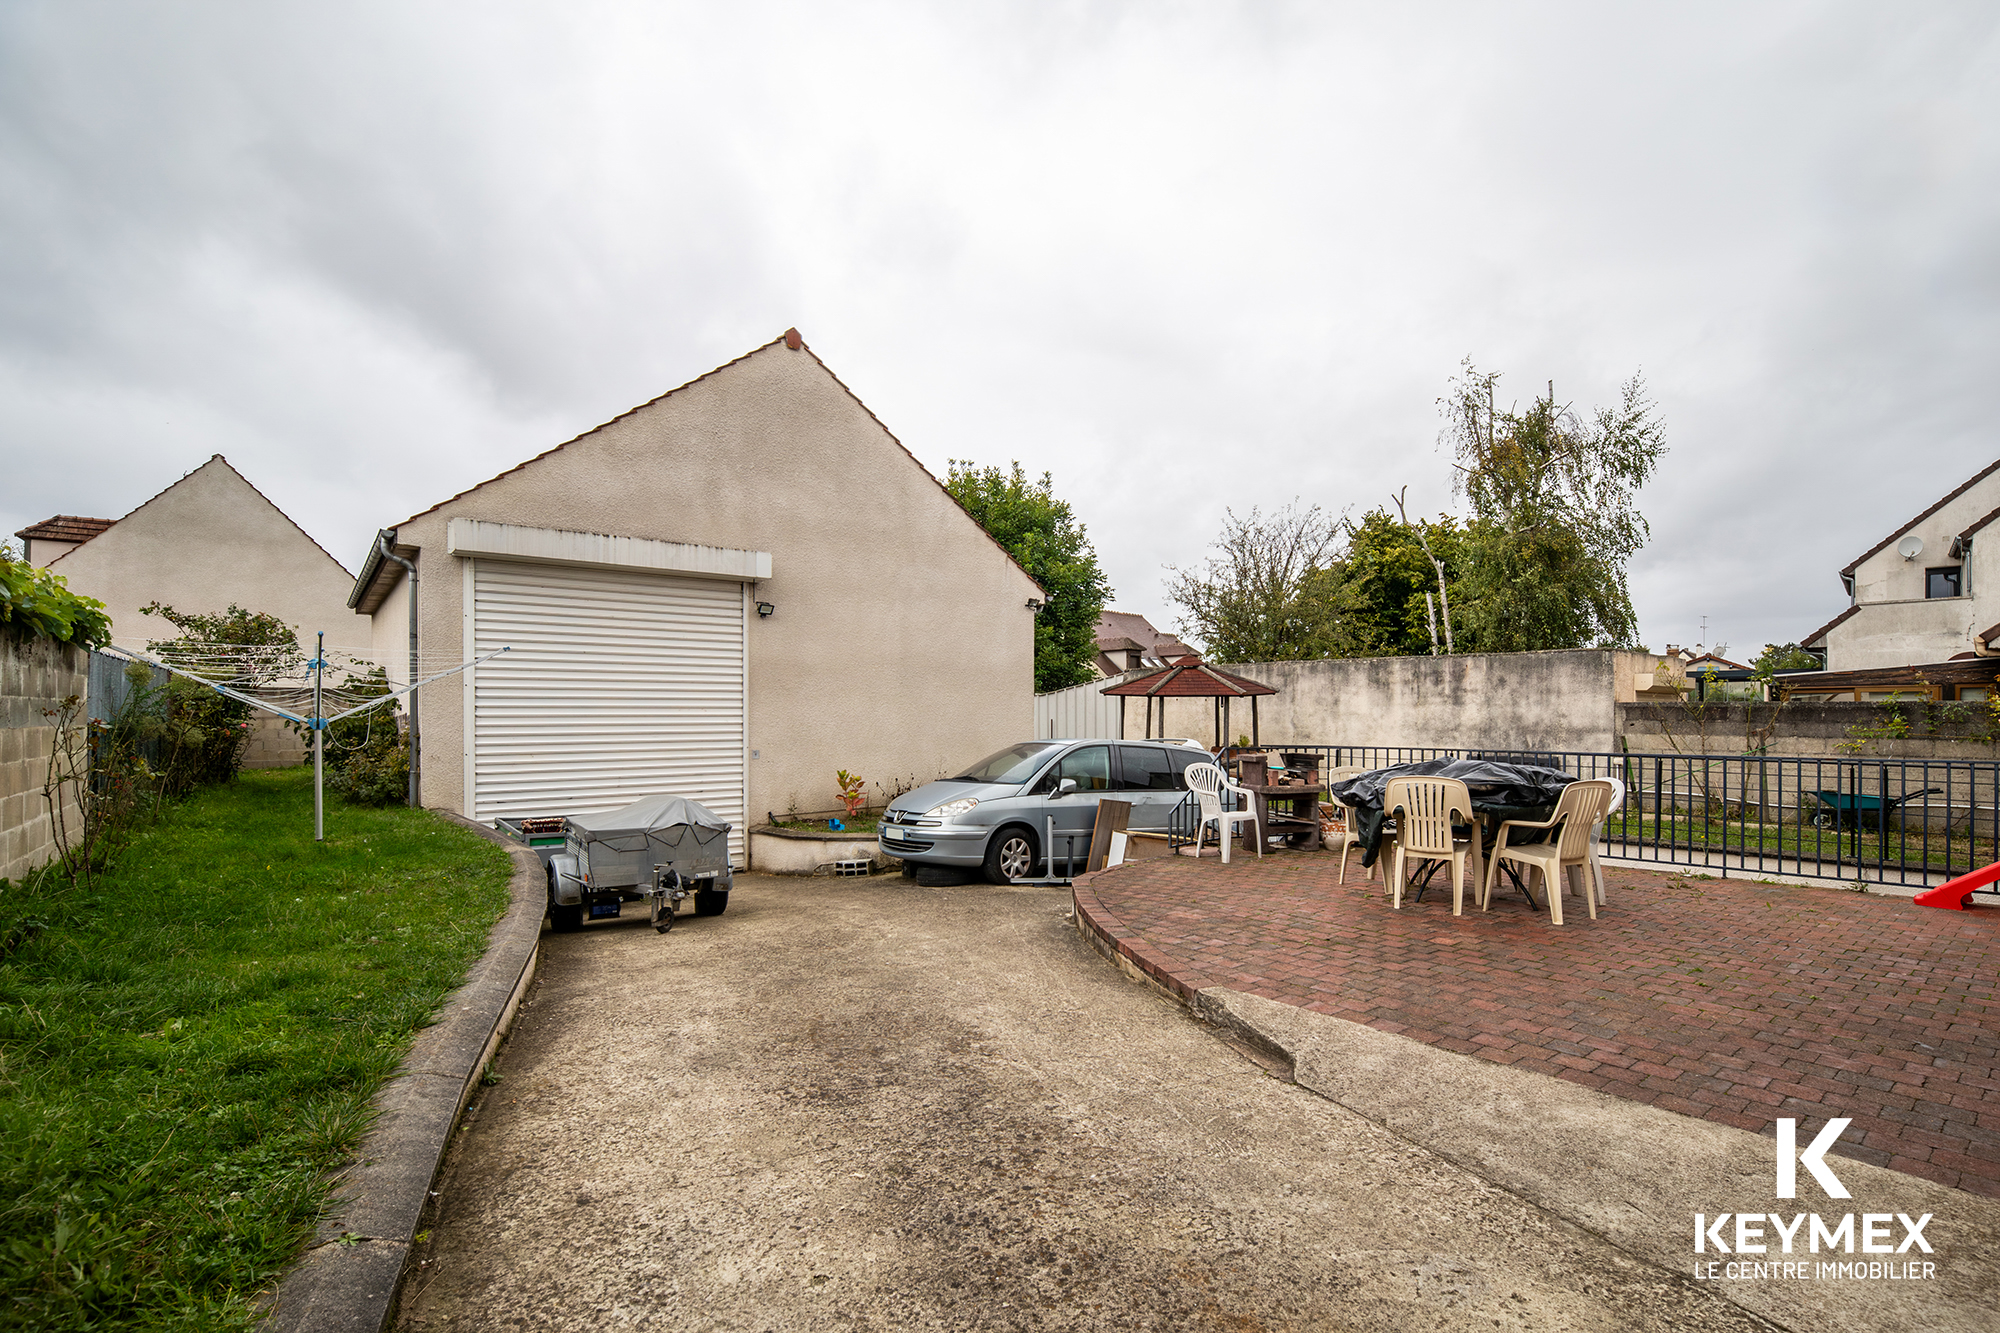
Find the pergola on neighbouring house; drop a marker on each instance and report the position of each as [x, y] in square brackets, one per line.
[1191, 678]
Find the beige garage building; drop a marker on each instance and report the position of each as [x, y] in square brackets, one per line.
[728, 593]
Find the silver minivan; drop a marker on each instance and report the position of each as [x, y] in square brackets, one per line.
[995, 815]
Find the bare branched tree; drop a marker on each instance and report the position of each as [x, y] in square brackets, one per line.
[1272, 593]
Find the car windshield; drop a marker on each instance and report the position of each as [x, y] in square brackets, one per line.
[1015, 764]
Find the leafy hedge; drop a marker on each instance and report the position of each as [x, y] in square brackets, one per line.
[35, 604]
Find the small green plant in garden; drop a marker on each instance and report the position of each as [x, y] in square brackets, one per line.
[853, 791]
[368, 757]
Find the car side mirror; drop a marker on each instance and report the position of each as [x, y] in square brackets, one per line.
[1065, 787]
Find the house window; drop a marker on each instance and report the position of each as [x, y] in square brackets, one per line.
[1941, 582]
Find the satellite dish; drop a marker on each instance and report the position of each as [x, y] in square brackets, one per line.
[1910, 547]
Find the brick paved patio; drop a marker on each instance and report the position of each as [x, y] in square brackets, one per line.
[1735, 1001]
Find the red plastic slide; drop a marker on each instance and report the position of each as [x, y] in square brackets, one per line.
[1955, 895]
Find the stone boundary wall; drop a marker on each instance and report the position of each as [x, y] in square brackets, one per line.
[1510, 701]
[35, 676]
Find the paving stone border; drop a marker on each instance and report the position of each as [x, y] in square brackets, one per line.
[1735, 1001]
[1630, 1173]
[351, 1273]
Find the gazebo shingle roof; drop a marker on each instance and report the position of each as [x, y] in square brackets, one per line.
[1191, 678]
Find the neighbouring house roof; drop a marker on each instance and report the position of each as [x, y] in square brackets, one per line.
[1819, 634]
[65, 528]
[366, 596]
[1721, 662]
[1982, 475]
[1966, 671]
[1978, 523]
[1126, 630]
[1191, 678]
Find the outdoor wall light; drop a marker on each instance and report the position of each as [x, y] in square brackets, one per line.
[1034, 605]
[764, 610]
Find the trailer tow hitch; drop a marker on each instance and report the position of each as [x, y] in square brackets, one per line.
[668, 891]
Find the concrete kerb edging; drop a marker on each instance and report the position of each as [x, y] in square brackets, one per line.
[352, 1271]
[1631, 1174]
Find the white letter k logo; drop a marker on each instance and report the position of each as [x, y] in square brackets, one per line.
[1789, 1159]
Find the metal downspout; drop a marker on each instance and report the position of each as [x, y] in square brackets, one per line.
[385, 543]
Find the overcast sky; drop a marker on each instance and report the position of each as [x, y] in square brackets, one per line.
[1183, 257]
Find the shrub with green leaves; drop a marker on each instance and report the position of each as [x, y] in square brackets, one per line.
[35, 604]
[367, 757]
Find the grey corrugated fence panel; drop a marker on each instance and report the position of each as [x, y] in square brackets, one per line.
[110, 687]
[1080, 710]
[1748, 814]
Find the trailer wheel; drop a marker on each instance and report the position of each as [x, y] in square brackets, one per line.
[711, 902]
[562, 919]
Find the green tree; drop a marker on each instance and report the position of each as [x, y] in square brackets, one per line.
[1554, 514]
[1275, 592]
[1785, 657]
[1387, 573]
[1042, 533]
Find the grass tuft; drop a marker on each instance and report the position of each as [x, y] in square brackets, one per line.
[189, 1049]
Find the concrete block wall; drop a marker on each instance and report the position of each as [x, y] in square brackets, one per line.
[273, 744]
[35, 677]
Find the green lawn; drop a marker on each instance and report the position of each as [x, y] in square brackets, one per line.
[1804, 841]
[188, 1048]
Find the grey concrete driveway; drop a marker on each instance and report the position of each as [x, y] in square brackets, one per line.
[863, 1104]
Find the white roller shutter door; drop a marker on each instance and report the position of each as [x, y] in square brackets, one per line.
[619, 684]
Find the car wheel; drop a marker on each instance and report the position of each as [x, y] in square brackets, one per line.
[711, 902]
[1010, 856]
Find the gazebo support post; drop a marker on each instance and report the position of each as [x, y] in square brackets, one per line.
[1253, 721]
[1121, 717]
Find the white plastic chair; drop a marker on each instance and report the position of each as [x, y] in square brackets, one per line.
[1208, 782]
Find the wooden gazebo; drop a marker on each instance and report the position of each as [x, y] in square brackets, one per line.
[1191, 678]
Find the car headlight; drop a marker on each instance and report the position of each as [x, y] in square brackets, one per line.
[952, 808]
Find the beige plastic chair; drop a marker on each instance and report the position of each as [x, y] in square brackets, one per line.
[1424, 810]
[1208, 782]
[1582, 805]
[1597, 836]
[1342, 833]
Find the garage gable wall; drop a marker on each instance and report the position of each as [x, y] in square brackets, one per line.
[901, 644]
[209, 540]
